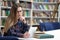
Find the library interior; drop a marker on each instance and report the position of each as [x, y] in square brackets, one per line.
[42, 16]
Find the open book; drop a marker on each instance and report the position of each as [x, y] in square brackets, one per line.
[32, 30]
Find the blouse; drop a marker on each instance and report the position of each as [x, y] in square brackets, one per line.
[18, 29]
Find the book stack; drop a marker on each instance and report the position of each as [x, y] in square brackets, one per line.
[43, 36]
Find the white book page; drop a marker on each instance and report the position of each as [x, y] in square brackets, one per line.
[32, 30]
[27, 38]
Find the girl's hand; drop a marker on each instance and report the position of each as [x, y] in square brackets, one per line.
[26, 35]
[23, 19]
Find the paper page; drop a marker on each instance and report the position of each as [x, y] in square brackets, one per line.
[27, 39]
[32, 30]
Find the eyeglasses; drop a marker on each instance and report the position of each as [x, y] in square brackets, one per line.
[19, 11]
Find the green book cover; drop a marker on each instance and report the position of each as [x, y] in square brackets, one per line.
[3, 22]
[35, 0]
[27, 13]
[7, 12]
[41, 0]
[44, 36]
[47, 7]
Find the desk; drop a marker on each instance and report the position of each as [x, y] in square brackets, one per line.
[56, 34]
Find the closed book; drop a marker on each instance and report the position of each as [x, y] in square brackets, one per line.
[7, 12]
[3, 22]
[44, 36]
[46, 0]
[41, 7]
[9, 3]
[27, 13]
[41, 0]
[3, 12]
[45, 7]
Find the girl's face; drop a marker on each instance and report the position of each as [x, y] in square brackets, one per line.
[19, 12]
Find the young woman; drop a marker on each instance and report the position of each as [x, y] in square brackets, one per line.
[15, 24]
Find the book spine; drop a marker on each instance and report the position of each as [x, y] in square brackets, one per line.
[3, 13]
[7, 12]
[45, 0]
[3, 22]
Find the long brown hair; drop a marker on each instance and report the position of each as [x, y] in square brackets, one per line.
[12, 19]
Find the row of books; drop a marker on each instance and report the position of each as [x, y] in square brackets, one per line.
[7, 3]
[34, 21]
[5, 12]
[0, 2]
[43, 7]
[28, 21]
[25, 4]
[45, 0]
[3, 21]
[37, 21]
[26, 13]
[43, 14]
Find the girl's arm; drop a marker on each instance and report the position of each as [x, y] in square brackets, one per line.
[18, 34]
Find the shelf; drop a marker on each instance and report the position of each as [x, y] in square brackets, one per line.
[7, 16]
[26, 9]
[49, 3]
[3, 16]
[25, 0]
[42, 10]
[27, 17]
[5, 7]
[1, 26]
[40, 17]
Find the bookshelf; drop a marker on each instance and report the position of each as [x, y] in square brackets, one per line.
[33, 10]
[44, 10]
[4, 11]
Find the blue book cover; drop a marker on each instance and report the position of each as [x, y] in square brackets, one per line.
[41, 7]
[46, 0]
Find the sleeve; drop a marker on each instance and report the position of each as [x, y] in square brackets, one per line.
[14, 33]
[26, 27]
